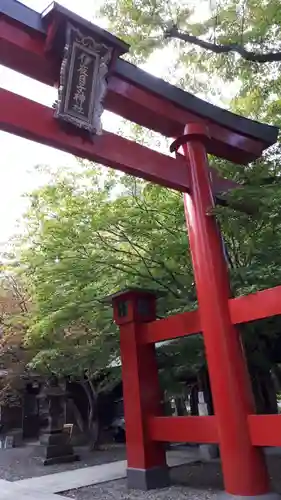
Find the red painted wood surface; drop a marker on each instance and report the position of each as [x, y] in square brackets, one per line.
[179, 325]
[34, 121]
[260, 305]
[163, 116]
[183, 429]
[23, 51]
[141, 389]
[243, 465]
[265, 430]
[256, 305]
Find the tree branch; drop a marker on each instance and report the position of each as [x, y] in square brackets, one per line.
[144, 259]
[174, 32]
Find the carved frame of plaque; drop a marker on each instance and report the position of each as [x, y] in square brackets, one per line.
[83, 83]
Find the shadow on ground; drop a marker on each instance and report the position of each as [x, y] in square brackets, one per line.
[208, 476]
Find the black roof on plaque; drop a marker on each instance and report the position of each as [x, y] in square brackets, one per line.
[55, 8]
[259, 131]
[193, 104]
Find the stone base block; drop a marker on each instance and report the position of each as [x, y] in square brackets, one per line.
[56, 451]
[148, 479]
[56, 448]
[59, 439]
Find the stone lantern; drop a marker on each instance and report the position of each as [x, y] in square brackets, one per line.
[55, 445]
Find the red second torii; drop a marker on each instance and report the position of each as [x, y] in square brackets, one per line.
[55, 49]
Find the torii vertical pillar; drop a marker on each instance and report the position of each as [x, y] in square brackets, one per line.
[244, 468]
[146, 459]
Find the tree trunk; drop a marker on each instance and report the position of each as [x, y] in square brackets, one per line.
[269, 393]
[93, 426]
[193, 398]
[264, 391]
[277, 377]
[77, 416]
[179, 406]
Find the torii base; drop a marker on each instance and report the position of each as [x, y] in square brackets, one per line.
[148, 479]
[267, 496]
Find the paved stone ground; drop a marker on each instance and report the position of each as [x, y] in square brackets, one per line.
[22, 463]
[193, 481]
[11, 491]
[117, 490]
[47, 487]
[97, 474]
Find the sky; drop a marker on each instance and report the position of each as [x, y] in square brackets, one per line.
[19, 156]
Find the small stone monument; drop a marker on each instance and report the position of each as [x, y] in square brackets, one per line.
[9, 442]
[55, 443]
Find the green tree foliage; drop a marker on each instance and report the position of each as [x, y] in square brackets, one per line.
[95, 232]
[14, 320]
[197, 32]
[89, 235]
[227, 52]
[142, 23]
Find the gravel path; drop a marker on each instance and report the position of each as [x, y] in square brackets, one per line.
[196, 481]
[208, 476]
[22, 463]
[117, 490]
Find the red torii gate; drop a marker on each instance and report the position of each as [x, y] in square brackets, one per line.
[33, 45]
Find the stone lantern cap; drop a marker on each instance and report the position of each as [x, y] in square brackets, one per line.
[52, 390]
[133, 291]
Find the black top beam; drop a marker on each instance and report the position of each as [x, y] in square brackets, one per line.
[144, 80]
[193, 104]
[21, 13]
